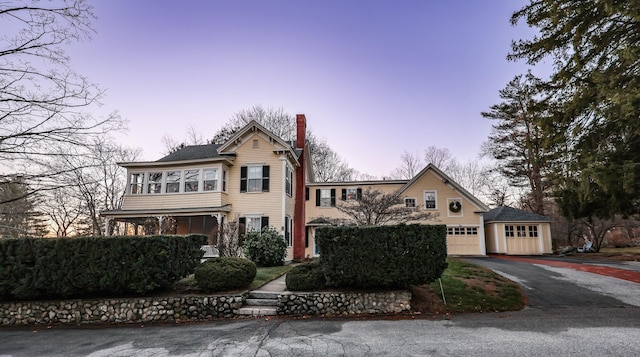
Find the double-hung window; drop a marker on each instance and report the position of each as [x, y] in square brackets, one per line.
[252, 223]
[210, 182]
[288, 185]
[351, 194]
[154, 182]
[326, 197]
[191, 180]
[254, 178]
[136, 183]
[430, 200]
[173, 181]
[410, 202]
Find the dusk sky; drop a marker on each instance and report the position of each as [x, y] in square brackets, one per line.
[374, 78]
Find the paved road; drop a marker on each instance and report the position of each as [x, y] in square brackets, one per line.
[570, 313]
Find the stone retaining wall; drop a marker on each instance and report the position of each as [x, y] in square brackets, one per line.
[196, 308]
[339, 303]
[121, 310]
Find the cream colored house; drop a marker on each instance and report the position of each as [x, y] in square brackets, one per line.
[516, 232]
[258, 180]
[431, 191]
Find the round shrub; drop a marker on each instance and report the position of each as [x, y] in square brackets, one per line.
[225, 273]
[266, 248]
[305, 277]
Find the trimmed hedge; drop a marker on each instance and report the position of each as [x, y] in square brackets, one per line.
[382, 256]
[267, 248]
[52, 268]
[305, 277]
[225, 273]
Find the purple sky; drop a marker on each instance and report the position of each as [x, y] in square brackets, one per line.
[374, 78]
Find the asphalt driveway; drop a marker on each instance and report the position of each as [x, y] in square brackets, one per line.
[552, 282]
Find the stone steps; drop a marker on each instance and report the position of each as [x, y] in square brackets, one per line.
[260, 303]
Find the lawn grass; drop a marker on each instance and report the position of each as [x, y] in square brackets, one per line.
[263, 276]
[266, 274]
[635, 250]
[470, 288]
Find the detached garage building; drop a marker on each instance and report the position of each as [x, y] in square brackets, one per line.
[516, 232]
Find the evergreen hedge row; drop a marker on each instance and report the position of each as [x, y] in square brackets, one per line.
[382, 256]
[48, 268]
[225, 273]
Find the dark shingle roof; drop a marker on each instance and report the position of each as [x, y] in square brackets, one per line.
[193, 152]
[510, 214]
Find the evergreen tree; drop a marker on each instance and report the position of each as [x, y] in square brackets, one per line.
[18, 216]
[595, 46]
[516, 140]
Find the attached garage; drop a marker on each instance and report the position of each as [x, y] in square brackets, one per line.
[517, 232]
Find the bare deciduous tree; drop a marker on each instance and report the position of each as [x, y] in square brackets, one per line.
[328, 166]
[410, 165]
[441, 158]
[229, 240]
[44, 102]
[374, 208]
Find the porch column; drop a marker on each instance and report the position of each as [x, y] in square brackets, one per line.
[106, 226]
[159, 224]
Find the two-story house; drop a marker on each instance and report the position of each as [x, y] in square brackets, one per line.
[257, 179]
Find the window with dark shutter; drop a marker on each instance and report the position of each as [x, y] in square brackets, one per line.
[242, 222]
[344, 194]
[333, 197]
[359, 194]
[306, 193]
[265, 222]
[243, 179]
[265, 178]
[318, 197]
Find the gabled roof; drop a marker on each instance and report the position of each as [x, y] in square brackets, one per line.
[510, 214]
[254, 126]
[448, 181]
[193, 152]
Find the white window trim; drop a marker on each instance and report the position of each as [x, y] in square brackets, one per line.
[415, 202]
[261, 176]
[163, 182]
[424, 199]
[130, 185]
[322, 190]
[253, 216]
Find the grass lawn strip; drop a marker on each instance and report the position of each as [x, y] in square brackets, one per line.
[470, 288]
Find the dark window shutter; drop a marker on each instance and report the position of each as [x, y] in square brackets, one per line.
[243, 179]
[306, 193]
[306, 238]
[344, 194]
[333, 196]
[265, 222]
[242, 226]
[317, 197]
[265, 178]
[359, 194]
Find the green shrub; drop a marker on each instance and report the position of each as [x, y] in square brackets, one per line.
[36, 268]
[224, 274]
[382, 256]
[266, 248]
[305, 277]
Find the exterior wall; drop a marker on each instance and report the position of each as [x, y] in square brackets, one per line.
[466, 218]
[274, 204]
[518, 245]
[466, 244]
[174, 200]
